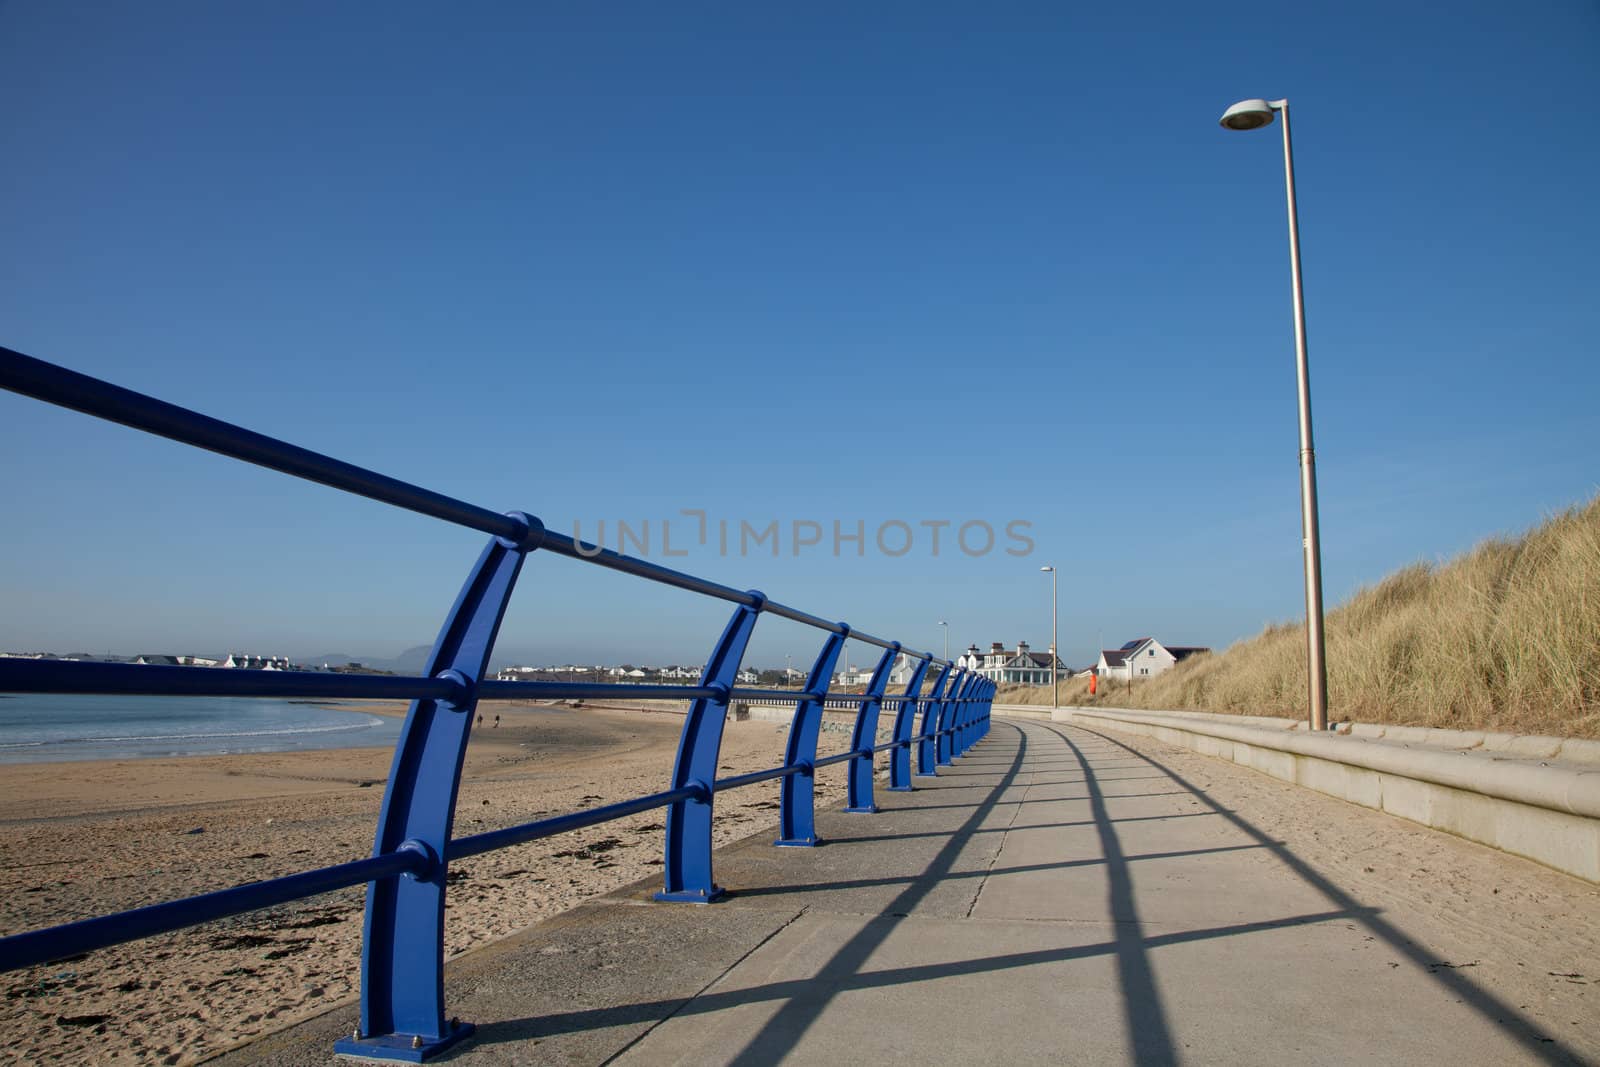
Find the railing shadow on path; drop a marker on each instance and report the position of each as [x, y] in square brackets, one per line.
[1534, 1040]
[803, 1000]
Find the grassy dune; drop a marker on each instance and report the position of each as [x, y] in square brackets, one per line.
[1505, 637]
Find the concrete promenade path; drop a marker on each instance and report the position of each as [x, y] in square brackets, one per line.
[1059, 895]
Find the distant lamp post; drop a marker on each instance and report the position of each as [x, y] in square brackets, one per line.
[1252, 115]
[1055, 657]
[946, 640]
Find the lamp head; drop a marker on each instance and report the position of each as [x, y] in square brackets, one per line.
[1047, 569]
[1248, 115]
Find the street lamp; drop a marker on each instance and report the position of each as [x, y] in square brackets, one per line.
[1252, 115]
[1055, 699]
[946, 640]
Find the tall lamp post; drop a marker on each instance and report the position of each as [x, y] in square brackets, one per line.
[1055, 657]
[946, 626]
[1252, 115]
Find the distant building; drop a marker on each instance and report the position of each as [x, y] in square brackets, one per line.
[239, 661]
[1142, 658]
[1006, 667]
[149, 660]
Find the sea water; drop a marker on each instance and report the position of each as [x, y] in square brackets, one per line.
[39, 728]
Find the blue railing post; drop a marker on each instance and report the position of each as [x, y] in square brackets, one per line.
[402, 958]
[945, 746]
[900, 754]
[864, 736]
[969, 713]
[958, 739]
[930, 723]
[686, 874]
[797, 810]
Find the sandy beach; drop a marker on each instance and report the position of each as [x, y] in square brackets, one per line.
[81, 839]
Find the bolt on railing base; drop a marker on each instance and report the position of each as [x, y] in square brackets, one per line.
[693, 896]
[798, 842]
[401, 1048]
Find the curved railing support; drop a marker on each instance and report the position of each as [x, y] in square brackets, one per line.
[945, 744]
[900, 754]
[797, 826]
[970, 714]
[930, 722]
[864, 736]
[402, 959]
[981, 727]
[687, 864]
[962, 717]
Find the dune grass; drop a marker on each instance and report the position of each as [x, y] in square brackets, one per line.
[1505, 637]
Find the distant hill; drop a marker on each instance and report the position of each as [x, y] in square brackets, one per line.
[411, 661]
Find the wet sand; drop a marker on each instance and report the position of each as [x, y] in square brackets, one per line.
[82, 839]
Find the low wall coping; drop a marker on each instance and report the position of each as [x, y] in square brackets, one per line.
[1510, 772]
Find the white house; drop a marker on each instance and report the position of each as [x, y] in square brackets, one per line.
[1142, 658]
[236, 661]
[854, 676]
[1005, 667]
[677, 673]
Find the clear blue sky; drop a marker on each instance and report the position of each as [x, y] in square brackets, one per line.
[797, 262]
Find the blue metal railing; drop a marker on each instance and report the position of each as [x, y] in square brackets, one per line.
[402, 965]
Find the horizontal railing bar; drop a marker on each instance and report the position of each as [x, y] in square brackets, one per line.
[93, 396]
[71, 676]
[841, 757]
[462, 847]
[805, 617]
[562, 545]
[55, 384]
[572, 548]
[600, 690]
[86, 935]
[786, 696]
[133, 679]
[753, 777]
[592, 690]
[778, 696]
[867, 638]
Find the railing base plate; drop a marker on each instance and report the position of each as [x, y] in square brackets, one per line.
[870, 809]
[398, 1048]
[898, 788]
[693, 896]
[797, 842]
